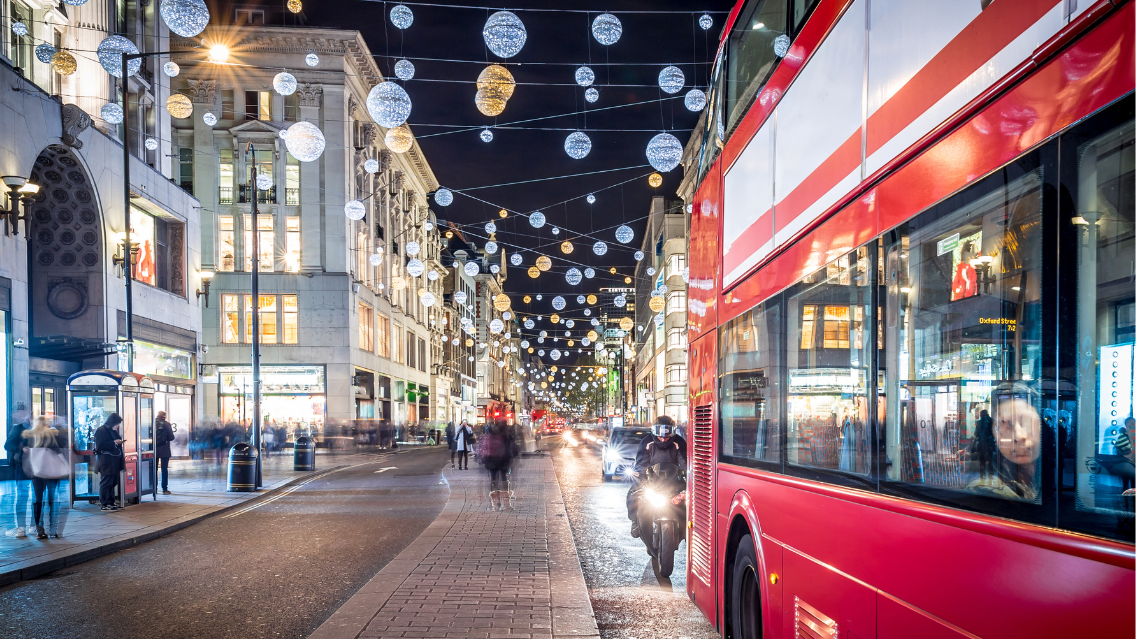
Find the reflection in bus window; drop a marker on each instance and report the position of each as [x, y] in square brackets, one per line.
[964, 340]
[828, 364]
[750, 390]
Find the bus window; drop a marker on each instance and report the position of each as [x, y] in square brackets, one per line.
[750, 387]
[751, 55]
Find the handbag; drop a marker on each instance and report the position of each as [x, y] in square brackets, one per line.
[45, 463]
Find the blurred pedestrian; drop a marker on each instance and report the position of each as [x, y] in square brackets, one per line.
[108, 461]
[463, 443]
[497, 449]
[19, 490]
[45, 459]
[451, 442]
[163, 435]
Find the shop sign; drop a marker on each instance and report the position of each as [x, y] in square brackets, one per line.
[283, 380]
[947, 244]
[820, 379]
[163, 361]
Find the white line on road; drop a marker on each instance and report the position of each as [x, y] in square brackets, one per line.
[383, 470]
[291, 489]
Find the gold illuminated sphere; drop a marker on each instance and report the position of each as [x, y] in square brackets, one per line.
[534, 272]
[530, 349]
[503, 213]
[501, 302]
[542, 384]
[179, 106]
[496, 81]
[397, 283]
[571, 342]
[399, 139]
[528, 298]
[63, 63]
[294, 6]
[469, 342]
[543, 262]
[626, 323]
[592, 335]
[489, 105]
[555, 319]
[656, 303]
[566, 247]
[553, 368]
[627, 280]
[449, 234]
[613, 270]
[655, 180]
[592, 299]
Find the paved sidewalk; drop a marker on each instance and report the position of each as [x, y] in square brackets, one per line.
[199, 491]
[480, 574]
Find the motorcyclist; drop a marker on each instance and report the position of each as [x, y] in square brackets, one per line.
[664, 446]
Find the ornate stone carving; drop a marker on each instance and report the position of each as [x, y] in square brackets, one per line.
[370, 134]
[310, 94]
[384, 159]
[352, 106]
[75, 121]
[67, 298]
[177, 258]
[202, 91]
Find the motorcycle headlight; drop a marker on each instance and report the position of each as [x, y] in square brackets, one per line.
[654, 498]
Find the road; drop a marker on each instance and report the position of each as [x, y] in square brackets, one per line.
[276, 570]
[629, 600]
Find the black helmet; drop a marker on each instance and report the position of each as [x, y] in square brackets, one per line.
[664, 426]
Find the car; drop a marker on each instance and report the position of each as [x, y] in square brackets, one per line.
[619, 451]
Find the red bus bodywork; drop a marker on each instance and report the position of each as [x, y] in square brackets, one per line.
[882, 566]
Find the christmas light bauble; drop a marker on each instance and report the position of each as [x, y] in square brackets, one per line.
[578, 145]
[471, 268]
[404, 70]
[398, 283]
[264, 182]
[504, 34]
[486, 135]
[543, 263]
[659, 319]
[626, 323]
[355, 210]
[399, 139]
[64, 63]
[599, 248]
[515, 259]
[284, 83]
[491, 248]
[638, 256]
[705, 21]
[624, 234]
[620, 301]
[671, 79]
[388, 104]
[591, 299]
[489, 104]
[44, 52]
[371, 166]
[295, 6]
[111, 113]
[20, 29]
[524, 344]
[591, 95]
[529, 324]
[305, 141]
[501, 302]
[554, 318]
[151, 144]
[496, 326]
[415, 268]
[375, 259]
[662, 290]
[566, 247]
[573, 276]
[655, 180]
[534, 272]
[656, 303]
[580, 299]
[695, 100]
[592, 336]
[664, 152]
[585, 77]
[537, 220]
[110, 55]
[179, 106]
[490, 228]
[589, 272]
[209, 118]
[401, 16]
[558, 303]
[595, 322]
[781, 46]
[187, 18]
[606, 29]
[171, 69]
[650, 270]
[412, 248]
[312, 60]
[555, 354]
[443, 197]
[427, 299]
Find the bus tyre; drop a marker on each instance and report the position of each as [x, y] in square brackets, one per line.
[745, 599]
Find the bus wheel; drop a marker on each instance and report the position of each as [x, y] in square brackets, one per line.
[745, 598]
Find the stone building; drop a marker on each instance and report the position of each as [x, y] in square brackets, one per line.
[346, 332]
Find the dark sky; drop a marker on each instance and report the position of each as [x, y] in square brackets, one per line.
[443, 92]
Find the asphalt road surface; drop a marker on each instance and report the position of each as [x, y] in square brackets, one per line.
[277, 570]
[629, 600]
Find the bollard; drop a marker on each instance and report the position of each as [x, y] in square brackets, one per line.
[305, 454]
[242, 468]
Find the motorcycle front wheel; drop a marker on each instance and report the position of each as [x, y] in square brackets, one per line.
[665, 545]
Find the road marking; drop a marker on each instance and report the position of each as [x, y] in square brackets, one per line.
[383, 470]
[292, 489]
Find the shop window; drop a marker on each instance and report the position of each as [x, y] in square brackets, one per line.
[676, 375]
[228, 105]
[20, 47]
[366, 327]
[382, 335]
[275, 312]
[258, 105]
[185, 168]
[422, 355]
[230, 319]
[227, 177]
[267, 312]
[225, 243]
[292, 243]
[396, 345]
[750, 385]
[292, 181]
[267, 240]
[676, 265]
[161, 247]
[676, 338]
[411, 350]
[676, 302]
[290, 305]
[292, 108]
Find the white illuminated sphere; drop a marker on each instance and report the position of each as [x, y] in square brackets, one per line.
[111, 113]
[529, 324]
[494, 269]
[585, 341]
[555, 230]
[662, 290]
[471, 269]
[595, 322]
[569, 324]
[599, 248]
[264, 182]
[578, 145]
[284, 83]
[305, 141]
[388, 104]
[486, 135]
[591, 199]
[540, 352]
[19, 28]
[355, 210]
[650, 270]
[504, 34]
[781, 46]
[638, 256]
[44, 52]
[443, 197]
[187, 18]
[459, 297]
[401, 16]
[110, 54]
[507, 315]
[375, 259]
[427, 299]
[558, 303]
[429, 226]
[664, 152]
[171, 69]
[524, 343]
[371, 166]
[404, 69]
[686, 274]
[537, 220]
[587, 311]
[209, 119]
[659, 319]
[491, 248]
[555, 354]
[573, 276]
[624, 234]
[496, 326]
[671, 79]
[515, 259]
[151, 144]
[695, 100]
[705, 21]
[415, 268]
[606, 29]
[585, 77]
[490, 228]
[312, 60]
[589, 272]
[412, 248]
[619, 300]
[580, 299]
[591, 95]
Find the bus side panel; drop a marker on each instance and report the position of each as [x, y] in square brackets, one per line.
[894, 620]
[815, 594]
[705, 255]
[986, 585]
[701, 569]
[736, 506]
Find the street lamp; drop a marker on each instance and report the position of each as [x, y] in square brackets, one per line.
[27, 192]
[206, 278]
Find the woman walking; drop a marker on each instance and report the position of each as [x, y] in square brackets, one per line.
[497, 452]
[47, 459]
[463, 443]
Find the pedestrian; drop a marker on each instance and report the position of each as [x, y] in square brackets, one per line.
[45, 459]
[463, 443]
[20, 488]
[163, 435]
[451, 442]
[984, 446]
[497, 449]
[108, 461]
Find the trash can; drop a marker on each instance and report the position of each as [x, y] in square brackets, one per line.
[305, 454]
[242, 468]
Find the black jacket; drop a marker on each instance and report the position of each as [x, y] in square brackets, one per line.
[163, 435]
[14, 445]
[109, 454]
[653, 451]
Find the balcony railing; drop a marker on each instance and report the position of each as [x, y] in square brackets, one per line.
[262, 196]
[292, 197]
[226, 195]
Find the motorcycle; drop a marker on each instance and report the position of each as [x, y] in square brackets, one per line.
[662, 512]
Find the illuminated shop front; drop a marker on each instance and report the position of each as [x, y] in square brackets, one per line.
[293, 397]
[174, 374]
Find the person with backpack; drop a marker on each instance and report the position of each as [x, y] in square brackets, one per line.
[463, 443]
[163, 435]
[497, 452]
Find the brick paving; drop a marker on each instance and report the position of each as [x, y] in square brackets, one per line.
[476, 573]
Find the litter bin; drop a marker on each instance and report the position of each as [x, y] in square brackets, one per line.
[305, 454]
[242, 468]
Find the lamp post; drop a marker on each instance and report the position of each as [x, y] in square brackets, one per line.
[254, 432]
[26, 191]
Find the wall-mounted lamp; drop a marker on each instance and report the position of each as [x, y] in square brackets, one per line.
[119, 258]
[982, 268]
[18, 187]
[206, 278]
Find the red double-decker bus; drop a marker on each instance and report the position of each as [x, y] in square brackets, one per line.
[912, 308]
